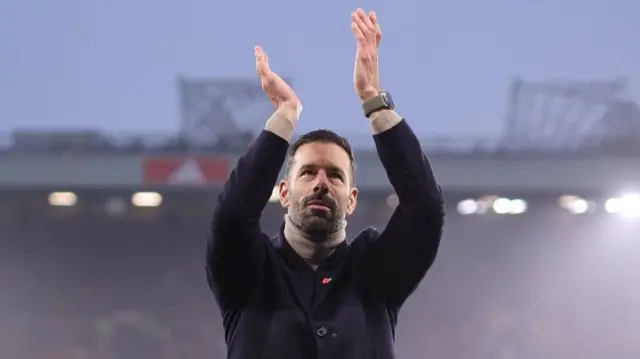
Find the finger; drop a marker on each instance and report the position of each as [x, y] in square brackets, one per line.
[262, 64]
[374, 20]
[357, 32]
[361, 27]
[258, 54]
[370, 29]
[360, 12]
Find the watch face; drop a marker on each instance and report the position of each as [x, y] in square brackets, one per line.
[386, 97]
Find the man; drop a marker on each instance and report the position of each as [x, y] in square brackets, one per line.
[306, 293]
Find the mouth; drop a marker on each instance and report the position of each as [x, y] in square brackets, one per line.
[318, 205]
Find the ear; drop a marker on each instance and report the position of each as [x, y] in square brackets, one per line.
[353, 201]
[284, 193]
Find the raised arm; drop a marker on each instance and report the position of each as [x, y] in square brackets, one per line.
[236, 249]
[397, 259]
[408, 245]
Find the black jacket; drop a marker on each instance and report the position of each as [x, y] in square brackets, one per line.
[274, 306]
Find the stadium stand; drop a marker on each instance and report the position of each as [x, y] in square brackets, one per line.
[80, 283]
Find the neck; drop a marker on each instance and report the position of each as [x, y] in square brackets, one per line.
[312, 252]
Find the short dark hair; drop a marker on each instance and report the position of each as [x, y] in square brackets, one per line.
[323, 136]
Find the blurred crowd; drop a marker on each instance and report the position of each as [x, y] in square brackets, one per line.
[84, 285]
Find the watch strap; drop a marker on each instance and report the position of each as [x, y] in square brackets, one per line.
[375, 104]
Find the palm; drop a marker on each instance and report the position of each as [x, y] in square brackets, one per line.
[278, 91]
[367, 31]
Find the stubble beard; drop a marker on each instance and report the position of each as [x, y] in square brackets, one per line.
[317, 224]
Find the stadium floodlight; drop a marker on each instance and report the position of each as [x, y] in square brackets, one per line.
[517, 206]
[509, 206]
[146, 199]
[575, 204]
[467, 207]
[501, 205]
[627, 206]
[63, 199]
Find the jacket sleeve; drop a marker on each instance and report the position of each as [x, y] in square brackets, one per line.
[399, 257]
[236, 249]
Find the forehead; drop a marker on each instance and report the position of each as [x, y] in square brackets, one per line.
[322, 155]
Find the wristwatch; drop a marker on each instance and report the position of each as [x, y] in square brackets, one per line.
[381, 102]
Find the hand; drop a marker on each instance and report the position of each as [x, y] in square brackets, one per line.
[367, 32]
[280, 93]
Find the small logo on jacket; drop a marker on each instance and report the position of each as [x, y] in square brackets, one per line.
[326, 280]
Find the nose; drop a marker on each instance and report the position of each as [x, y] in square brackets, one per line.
[320, 187]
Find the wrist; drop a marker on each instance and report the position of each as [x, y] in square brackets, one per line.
[368, 94]
[290, 112]
[282, 123]
[381, 101]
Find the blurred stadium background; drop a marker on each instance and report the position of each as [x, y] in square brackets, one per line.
[103, 236]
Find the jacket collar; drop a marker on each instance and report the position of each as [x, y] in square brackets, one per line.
[295, 261]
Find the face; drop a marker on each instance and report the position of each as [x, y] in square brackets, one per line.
[319, 191]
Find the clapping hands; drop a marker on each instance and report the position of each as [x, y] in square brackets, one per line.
[279, 92]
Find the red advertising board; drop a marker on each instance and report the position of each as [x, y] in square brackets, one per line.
[185, 170]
